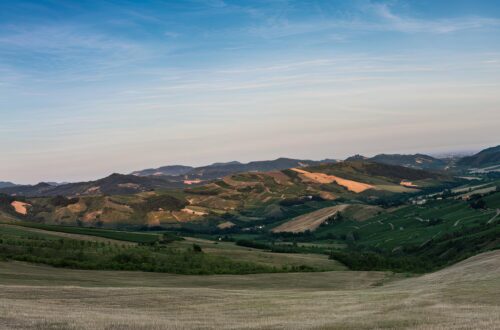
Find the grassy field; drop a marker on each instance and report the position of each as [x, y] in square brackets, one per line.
[463, 296]
[71, 250]
[111, 234]
[264, 258]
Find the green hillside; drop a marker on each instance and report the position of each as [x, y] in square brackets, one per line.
[486, 157]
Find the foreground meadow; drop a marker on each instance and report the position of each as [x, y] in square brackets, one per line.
[463, 296]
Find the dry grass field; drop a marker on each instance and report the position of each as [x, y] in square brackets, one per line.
[464, 296]
[310, 221]
[351, 185]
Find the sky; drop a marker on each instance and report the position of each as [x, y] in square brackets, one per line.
[88, 88]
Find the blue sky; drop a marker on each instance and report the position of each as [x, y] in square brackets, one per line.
[93, 87]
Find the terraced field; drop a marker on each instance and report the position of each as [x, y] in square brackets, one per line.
[415, 224]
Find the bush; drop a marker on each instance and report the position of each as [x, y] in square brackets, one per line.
[197, 248]
[253, 244]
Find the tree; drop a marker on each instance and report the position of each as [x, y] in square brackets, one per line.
[197, 248]
[477, 203]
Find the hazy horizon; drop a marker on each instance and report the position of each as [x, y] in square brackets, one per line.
[128, 171]
[88, 89]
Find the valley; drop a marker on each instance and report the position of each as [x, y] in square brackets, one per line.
[357, 244]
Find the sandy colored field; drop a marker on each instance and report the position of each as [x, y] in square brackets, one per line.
[396, 188]
[279, 177]
[77, 207]
[20, 207]
[351, 185]
[464, 296]
[225, 225]
[310, 221]
[471, 188]
[193, 212]
[192, 181]
[408, 184]
[477, 191]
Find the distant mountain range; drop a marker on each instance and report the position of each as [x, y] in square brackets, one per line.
[166, 177]
[418, 161]
[171, 170]
[219, 170]
[115, 184]
[486, 157]
[180, 176]
[4, 184]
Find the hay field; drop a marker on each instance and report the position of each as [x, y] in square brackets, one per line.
[310, 221]
[464, 296]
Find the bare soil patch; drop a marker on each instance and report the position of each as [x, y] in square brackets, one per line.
[351, 185]
[20, 207]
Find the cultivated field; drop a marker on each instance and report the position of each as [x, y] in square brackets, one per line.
[309, 221]
[464, 296]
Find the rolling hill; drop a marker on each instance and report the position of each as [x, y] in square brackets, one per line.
[486, 157]
[462, 296]
[128, 200]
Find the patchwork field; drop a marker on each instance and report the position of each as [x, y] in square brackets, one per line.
[117, 202]
[464, 296]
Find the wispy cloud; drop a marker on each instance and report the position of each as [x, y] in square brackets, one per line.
[395, 22]
[66, 53]
[237, 79]
[58, 38]
[374, 17]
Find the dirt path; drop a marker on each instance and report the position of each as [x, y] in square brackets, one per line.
[473, 216]
[496, 216]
